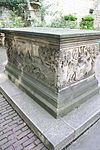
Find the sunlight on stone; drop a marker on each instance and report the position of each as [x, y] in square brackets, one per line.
[97, 69]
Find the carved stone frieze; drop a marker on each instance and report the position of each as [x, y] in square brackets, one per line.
[38, 61]
[56, 68]
[76, 63]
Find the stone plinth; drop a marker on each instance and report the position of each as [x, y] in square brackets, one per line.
[53, 66]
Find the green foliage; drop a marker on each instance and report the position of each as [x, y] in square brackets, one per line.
[87, 22]
[58, 23]
[70, 17]
[62, 23]
[43, 10]
[88, 18]
[12, 21]
[13, 4]
[18, 7]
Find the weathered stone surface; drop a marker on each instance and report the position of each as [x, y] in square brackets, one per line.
[90, 140]
[53, 66]
[76, 63]
[34, 58]
[54, 133]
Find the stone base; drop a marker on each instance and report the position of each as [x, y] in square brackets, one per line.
[54, 133]
[57, 104]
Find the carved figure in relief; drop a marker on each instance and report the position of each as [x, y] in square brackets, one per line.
[37, 61]
[76, 64]
[56, 68]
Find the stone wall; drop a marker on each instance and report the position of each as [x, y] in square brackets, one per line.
[4, 14]
[97, 14]
[79, 8]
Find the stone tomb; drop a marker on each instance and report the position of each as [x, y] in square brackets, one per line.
[53, 66]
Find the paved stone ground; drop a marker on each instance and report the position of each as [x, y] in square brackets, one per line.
[14, 133]
[90, 140]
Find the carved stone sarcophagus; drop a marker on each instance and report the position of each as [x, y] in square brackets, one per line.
[54, 66]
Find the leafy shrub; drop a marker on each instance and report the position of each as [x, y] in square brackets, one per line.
[12, 21]
[62, 23]
[70, 17]
[13, 4]
[18, 6]
[58, 23]
[87, 22]
[88, 18]
[71, 24]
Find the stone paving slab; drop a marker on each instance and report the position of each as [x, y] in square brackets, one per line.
[81, 118]
[54, 133]
[90, 140]
[14, 133]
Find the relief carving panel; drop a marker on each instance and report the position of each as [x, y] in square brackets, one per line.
[38, 61]
[76, 63]
[50, 65]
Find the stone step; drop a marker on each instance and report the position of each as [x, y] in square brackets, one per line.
[54, 133]
[90, 140]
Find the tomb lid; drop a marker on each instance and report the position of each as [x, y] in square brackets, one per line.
[52, 32]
